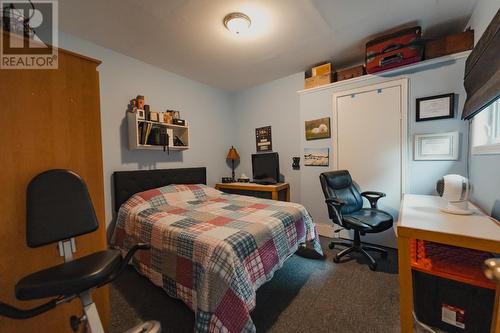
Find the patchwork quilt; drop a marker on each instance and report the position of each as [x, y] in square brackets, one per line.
[210, 249]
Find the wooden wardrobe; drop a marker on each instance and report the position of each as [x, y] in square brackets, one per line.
[49, 119]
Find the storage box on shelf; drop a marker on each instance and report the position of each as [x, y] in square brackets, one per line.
[134, 134]
[350, 73]
[460, 42]
[394, 50]
[318, 75]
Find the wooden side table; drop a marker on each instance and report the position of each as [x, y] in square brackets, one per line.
[280, 191]
[421, 218]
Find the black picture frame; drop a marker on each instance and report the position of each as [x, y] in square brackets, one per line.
[451, 107]
[263, 139]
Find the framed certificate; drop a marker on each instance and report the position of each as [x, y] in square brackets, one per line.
[436, 147]
[435, 107]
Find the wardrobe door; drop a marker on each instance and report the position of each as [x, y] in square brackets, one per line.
[370, 143]
[49, 119]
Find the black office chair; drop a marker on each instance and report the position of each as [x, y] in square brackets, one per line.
[58, 209]
[345, 208]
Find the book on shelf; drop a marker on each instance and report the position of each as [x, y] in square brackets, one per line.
[140, 126]
[148, 131]
[144, 130]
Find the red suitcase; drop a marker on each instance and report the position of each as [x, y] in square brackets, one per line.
[400, 48]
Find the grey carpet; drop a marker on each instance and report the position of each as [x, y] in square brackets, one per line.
[304, 296]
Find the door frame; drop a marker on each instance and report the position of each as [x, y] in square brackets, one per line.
[403, 83]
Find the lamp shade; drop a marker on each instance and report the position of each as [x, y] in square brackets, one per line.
[233, 154]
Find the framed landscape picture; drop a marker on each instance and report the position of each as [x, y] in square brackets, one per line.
[318, 129]
[316, 156]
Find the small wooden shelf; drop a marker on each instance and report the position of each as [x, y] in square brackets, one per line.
[176, 130]
[152, 147]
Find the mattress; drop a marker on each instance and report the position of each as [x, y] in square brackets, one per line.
[210, 249]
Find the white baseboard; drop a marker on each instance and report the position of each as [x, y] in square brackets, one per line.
[325, 230]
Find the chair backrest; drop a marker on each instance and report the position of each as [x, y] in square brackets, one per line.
[339, 185]
[58, 208]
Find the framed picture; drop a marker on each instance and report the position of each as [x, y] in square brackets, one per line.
[318, 129]
[435, 107]
[263, 139]
[436, 147]
[316, 156]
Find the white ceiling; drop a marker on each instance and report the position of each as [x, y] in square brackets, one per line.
[187, 36]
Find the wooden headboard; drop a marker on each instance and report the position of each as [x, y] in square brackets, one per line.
[128, 183]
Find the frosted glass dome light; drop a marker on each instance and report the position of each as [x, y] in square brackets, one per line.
[237, 22]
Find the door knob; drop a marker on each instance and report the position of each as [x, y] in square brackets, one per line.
[492, 269]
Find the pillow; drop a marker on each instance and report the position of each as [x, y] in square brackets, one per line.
[170, 194]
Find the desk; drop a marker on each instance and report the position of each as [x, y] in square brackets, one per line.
[420, 218]
[280, 191]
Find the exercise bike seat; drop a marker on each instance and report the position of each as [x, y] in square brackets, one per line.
[70, 278]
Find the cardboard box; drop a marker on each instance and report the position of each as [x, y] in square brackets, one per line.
[320, 69]
[460, 42]
[318, 80]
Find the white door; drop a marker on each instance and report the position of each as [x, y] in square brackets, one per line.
[370, 142]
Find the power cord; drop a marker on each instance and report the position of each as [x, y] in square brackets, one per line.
[469, 142]
[424, 326]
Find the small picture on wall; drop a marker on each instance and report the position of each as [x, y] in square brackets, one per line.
[316, 156]
[263, 139]
[318, 129]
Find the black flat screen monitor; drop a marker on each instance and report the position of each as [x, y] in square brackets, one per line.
[265, 168]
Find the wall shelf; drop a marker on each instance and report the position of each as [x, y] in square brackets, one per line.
[176, 130]
[419, 66]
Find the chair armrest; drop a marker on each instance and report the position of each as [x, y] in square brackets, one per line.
[125, 261]
[373, 197]
[336, 204]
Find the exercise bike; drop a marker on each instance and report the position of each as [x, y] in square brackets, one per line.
[59, 208]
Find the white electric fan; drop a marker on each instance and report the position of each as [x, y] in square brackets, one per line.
[455, 189]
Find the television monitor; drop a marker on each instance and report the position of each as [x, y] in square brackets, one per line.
[265, 168]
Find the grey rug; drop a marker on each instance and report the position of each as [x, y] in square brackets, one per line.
[305, 295]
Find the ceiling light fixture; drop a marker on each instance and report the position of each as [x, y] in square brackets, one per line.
[237, 22]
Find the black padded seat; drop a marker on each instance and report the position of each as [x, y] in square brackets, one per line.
[368, 220]
[70, 278]
[345, 208]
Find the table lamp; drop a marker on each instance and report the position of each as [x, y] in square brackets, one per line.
[233, 156]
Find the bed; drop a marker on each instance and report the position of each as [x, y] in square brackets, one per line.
[210, 249]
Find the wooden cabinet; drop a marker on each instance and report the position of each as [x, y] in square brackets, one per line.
[50, 119]
[280, 191]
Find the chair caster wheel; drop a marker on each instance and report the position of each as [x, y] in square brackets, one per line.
[331, 246]
[373, 266]
[336, 260]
